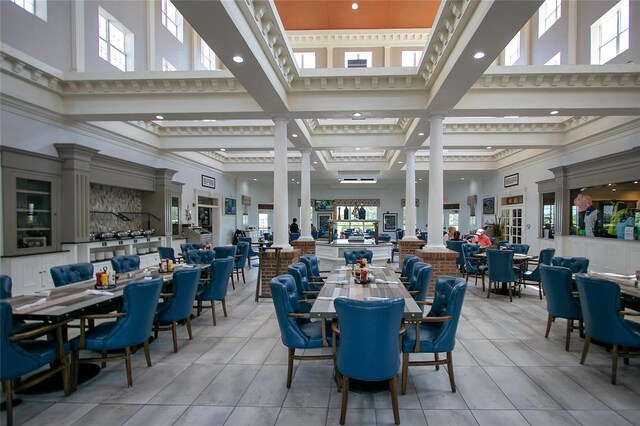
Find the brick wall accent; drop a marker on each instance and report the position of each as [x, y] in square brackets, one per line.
[443, 262]
[408, 247]
[269, 263]
[305, 246]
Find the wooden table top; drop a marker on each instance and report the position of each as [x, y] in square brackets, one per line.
[387, 287]
[71, 300]
[626, 282]
[516, 256]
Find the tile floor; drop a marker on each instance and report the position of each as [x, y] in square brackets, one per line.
[234, 374]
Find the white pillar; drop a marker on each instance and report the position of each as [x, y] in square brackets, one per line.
[410, 195]
[280, 186]
[435, 214]
[305, 195]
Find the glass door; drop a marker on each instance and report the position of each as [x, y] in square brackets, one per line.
[512, 220]
[33, 214]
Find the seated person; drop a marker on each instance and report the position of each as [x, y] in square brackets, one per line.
[456, 236]
[481, 239]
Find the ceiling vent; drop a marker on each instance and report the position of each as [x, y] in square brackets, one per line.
[357, 177]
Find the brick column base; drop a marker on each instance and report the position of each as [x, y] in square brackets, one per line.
[443, 262]
[408, 247]
[305, 246]
[269, 266]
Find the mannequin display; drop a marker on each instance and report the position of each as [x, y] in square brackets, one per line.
[625, 221]
[590, 219]
[362, 213]
[346, 213]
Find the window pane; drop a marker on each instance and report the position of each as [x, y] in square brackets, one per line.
[116, 37]
[103, 49]
[102, 27]
[118, 59]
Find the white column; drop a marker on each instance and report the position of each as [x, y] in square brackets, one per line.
[305, 195]
[280, 185]
[435, 214]
[410, 195]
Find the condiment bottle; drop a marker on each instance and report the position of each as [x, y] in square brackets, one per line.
[169, 265]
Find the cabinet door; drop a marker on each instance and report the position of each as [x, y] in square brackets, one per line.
[26, 274]
[49, 261]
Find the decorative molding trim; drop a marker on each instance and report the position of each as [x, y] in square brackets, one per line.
[347, 38]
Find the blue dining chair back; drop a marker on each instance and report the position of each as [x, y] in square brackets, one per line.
[267, 236]
[216, 288]
[500, 264]
[437, 332]
[367, 347]
[296, 332]
[127, 263]
[423, 280]
[534, 276]
[241, 260]
[200, 257]
[225, 251]
[413, 278]
[472, 265]
[517, 248]
[5, 287]
[252, 252]
[298, 271]
[313, 270]
[186, 247]
[561, 303]
[72, 273]
[600, 302]
[578, 265]
[385, 238]
[167, 253]
[399, 234]
[294, 236]
[178, 307]
[457, 247]
[351, 256]
[424, 236]
[408, 262]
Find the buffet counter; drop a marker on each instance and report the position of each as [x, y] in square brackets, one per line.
[331, 253]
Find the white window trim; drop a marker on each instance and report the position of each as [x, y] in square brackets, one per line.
[512, 51]
[414, 55]
[621, 12]
[305, 59]
[34, 7]
[128, 41]
[207, 56]
[548, 14]
[171, 15]
[168, 66]
[358, 55]
[555, 59]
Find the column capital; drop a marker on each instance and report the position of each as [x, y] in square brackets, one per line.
[280, 118]
[410, 150]
[305, 150]
[437, 115]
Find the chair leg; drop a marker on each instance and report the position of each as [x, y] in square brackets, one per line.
[156, 327]
[489, 290]
[614, 363]
[189, 328]
[292, 352]
[452, 381]
[393, 386]
[405, 373]
[625, 350]
[233, 284]
[345, 399]
[174, 333]
[436, 357]
[568, 334]
[243, 280]
[540, 289]
[549, 321]
[510, 295]
[213, 311]
[199, 307]
[104, 355]
[482, 282]
[74, 370]
[224, 306]
[127, 360]
[585, 348]
[147, 353]
[8, 392]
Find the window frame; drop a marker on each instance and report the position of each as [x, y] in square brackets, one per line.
[416, 55]
[303, 57]
[34, 7]
[171, 16]
[368, 54]
[167, 66]
[619, 11]
[512, 50]
[548, 14]
[207, 56]
[127, 49]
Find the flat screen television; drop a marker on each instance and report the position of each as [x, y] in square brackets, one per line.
[324, 205]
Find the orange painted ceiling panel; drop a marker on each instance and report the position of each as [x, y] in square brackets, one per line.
[371, 14]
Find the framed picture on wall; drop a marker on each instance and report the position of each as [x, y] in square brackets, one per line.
[489, 205]
[208, 182]
[229, 206]
[512, 180]
[323, 223]
[390, 222]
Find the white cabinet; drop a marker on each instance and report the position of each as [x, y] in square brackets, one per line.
[31, 273]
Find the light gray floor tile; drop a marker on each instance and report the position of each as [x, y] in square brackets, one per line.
[157, 415]
[205, 327]
[308, 396]
[486, 353]
[199, 415]
[60, 414]
[479, 391]
[549, 418]
[254, 416]
[433, 389]
[109, 414]
[278, 355]
[617, 397]
[599, 418]
[523, 392]
[632, 416]
[262, 392]
[499, 418]
[186, 387]
[255, 351]
[520, 354]
[355, 400]
[407, 417]
[223, 351]
[147, 382]
[294, 416]
[492, 329]
[450, 417]
[25, 411]
[228, 386]
[553, 353]
[355, 416]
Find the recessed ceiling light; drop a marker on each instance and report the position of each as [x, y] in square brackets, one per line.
[554, 112]
[421, 134]
[488, 147]
[610, 184]
[420, 179]
[298, 183]
[354, 6]
[357, 114]
[357, 148]
[294, 135]
[292, 179]
[635, 181]
[238, 59]
[461, 178]
[478, 55]
[208, 120]
[255, 180]
[222, 149]
[613, 189]
[511, 116]
[315, 162]
[159, 117]
[399, 162]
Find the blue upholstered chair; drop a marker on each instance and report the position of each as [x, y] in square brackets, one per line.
[399, 234]
[500, 263]
[5, 287]
[267, 236]
[421, 286]
[131, 328]
[408, 262]
[603, 320]
[185, 247]
[241, 259]
[216, 289]
[457, 247]
[412, 282]
[367, 344]
[20, 354]
[436, 333]
[306, 295]
[351, 256]
[313, 270]
[252, 252]
[296, 330]
[385, 238]
[200, 257]
[423, 236]
[558, 288]
[122, 264]
[578, 265]
[73, 273]
[472, 265]
[179, 304]
[517, 248]
[167, 253]
[293, 236]
[500, 243]
[534, 276]
[227, 251]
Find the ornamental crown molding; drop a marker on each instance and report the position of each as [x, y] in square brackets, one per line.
[348, 38]
[215, 130]
[365, 79]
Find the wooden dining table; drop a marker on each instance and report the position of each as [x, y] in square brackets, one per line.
[628, 287]
[517, 258]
